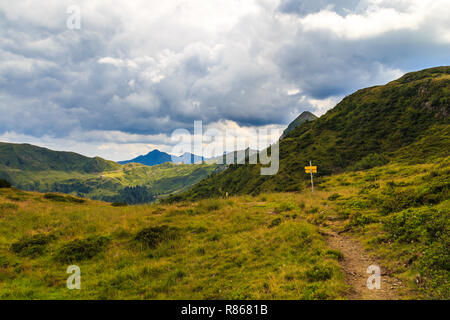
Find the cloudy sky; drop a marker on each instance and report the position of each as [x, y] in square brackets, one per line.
[136, 70]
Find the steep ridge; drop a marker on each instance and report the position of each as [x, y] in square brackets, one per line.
[365, 129]
[304, 117]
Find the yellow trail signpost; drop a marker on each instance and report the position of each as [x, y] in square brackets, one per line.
[311, 169]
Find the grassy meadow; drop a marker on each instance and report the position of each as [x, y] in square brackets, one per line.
[270, 246]
[111, 185]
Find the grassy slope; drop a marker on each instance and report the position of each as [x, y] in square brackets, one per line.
[234, 248]
[225, 250]
[161, 179]
[380, 120]
[33, 158]
[39, 169]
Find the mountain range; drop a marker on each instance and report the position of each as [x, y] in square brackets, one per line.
[156, 157]
[404, 120]
[34, 168]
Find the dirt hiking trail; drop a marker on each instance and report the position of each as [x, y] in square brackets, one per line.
[355, 264]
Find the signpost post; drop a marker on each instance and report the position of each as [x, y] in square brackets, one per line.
[311, 169]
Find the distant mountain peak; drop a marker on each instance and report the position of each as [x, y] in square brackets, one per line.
[152, 158]
[302, 118]
[156, 157]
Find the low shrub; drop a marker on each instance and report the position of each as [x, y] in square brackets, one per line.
[370, 161]
[61, 198]
[8, 206]
[210, 205]
[314, 291]
[32, 246]
[119, 204]
[319, 273]
[4, 262]
[359, 219]
[398, 200]
[312, 210]
[434, 266]
[215, 237]
[285, 206]
[4, 183]
[424, 224]
[275, 222]
[151, 237]
[334, 197]
[82, 249]
[343, 214]
[336, 254]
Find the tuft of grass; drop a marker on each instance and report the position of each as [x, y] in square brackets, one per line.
[5, 183]
[118, 204]
[285, 206]
[8, 206]
[82, 249]
[32, 246]
[275, 222]
[336, 254]
[151, 237]
[62, 198]
[210, 205]
[334, 197]
[319, 273]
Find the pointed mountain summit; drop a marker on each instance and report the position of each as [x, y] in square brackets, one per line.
[150, 159]
[304, 117]
[156, 157]
[187, 158]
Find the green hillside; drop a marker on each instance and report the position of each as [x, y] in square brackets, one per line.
[272, 246]
[33, 158]
[38, 169]
[407, 120]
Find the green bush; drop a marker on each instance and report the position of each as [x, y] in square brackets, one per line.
[314, 291]
[334, 197]
[119, 204]
[151, 237]
[285, 206]
[425, 224]
[433, 192]
[359, 219]
[312, 210]
[210, 205]
[319, 273]
[82, 249]
[61, 198]
[336, 254]
[32, 246]
[370, 161]
[5, 183]
[275, 222]
[10, 206]
[434, 265]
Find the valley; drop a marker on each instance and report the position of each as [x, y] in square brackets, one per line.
[38, 169]
[205, 231]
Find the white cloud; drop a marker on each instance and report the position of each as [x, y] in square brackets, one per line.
[137, 70]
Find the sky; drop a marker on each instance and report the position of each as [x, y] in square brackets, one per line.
[119, 83]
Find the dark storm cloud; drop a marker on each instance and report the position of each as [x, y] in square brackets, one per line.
[146, 75]
[342, 66]
[304, 7]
